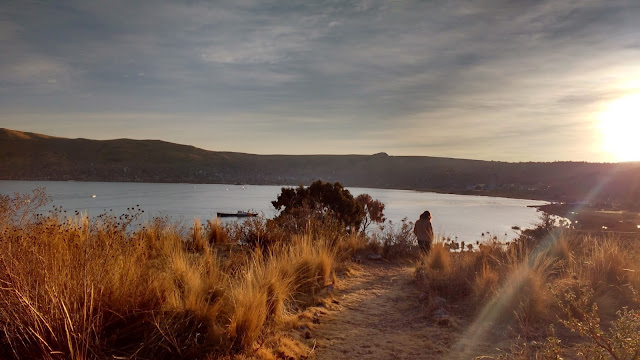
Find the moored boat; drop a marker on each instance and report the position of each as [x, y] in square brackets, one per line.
[237, 214]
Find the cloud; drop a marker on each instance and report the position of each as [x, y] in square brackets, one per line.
[34, 71]
[479, 79]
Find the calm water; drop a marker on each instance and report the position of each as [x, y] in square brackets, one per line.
[462, 216]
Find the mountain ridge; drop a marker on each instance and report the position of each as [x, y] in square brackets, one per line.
[32, 156]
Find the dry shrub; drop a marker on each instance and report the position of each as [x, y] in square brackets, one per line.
[511, 280]
[249, 306]
[397, 240]
[256, 232]
[509, 285]
[524, 274]
[311, 262]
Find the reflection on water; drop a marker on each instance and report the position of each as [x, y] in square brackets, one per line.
[462, 216]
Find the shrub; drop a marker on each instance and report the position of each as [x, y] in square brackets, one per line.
[373, 210]
[620, 341]
[319, 200]
[397, 241]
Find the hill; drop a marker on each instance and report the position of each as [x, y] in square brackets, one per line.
[30, 156]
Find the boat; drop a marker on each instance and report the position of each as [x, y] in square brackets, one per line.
[238, 214]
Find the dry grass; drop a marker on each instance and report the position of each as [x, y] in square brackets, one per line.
[216, 233]
[80, 288]
[445, 274]
[485, 284]
[439, 259]
[515, 281]
[354, 244]
[611, 268]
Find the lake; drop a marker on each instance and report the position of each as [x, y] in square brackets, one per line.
[463, 216]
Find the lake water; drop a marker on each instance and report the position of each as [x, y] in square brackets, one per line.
[463, 216]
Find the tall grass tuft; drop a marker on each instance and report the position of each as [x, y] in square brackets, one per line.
[447, 275]
[439, 258]
[216, 233]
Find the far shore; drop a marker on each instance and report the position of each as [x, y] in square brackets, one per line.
[488, 192]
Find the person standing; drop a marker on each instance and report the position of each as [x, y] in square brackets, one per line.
[424, 232]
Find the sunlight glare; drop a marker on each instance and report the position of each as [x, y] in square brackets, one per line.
[620, 128]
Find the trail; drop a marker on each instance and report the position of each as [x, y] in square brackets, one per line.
[379, 315]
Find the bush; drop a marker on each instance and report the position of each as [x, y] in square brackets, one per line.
[620, 341]
[318, 201]
[326, 202]
[397, 241]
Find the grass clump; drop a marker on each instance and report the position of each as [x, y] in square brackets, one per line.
[444, 274]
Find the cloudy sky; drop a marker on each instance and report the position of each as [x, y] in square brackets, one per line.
[498, 80]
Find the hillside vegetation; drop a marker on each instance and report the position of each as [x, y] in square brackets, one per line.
[29, 156]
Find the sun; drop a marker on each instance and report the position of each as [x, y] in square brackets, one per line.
[619, 125]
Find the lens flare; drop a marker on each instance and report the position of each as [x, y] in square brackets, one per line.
[619, 125]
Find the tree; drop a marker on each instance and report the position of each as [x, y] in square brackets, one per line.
[373, 210]
[319, 200]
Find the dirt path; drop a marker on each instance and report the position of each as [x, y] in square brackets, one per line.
[379, 315]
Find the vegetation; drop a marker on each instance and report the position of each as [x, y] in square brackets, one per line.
[583, 284]
[373, 210]
[396, 241]
[327, 202]
[79, 288]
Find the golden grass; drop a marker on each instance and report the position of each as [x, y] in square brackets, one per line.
[439, 258]
[445, 274]
[515, 280]
[80, 288]
[216, 234]
[485, 284]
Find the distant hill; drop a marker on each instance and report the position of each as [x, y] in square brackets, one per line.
[30, 156]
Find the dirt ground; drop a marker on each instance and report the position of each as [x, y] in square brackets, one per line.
[379, 314]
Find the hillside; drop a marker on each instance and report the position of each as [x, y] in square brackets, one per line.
[30, 156]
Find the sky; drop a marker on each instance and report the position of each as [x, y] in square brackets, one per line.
[509, 80]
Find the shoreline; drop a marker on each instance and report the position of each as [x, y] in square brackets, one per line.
[486, 193]
[595, 219]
